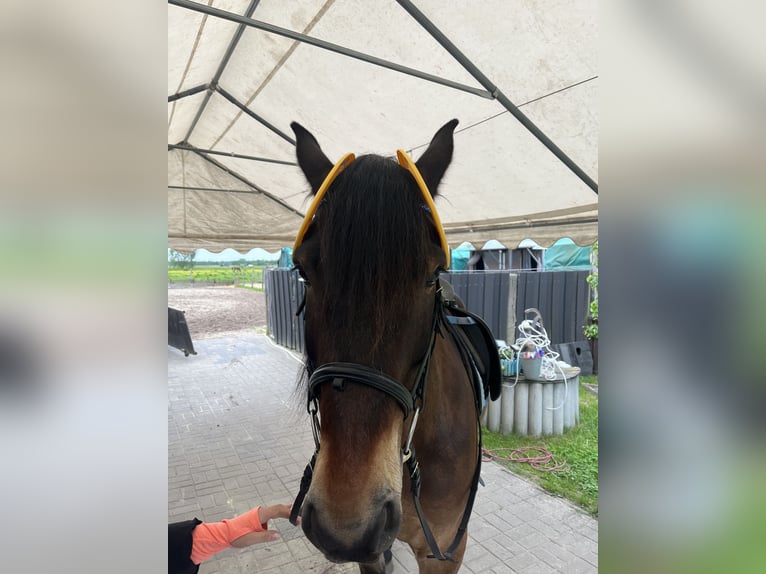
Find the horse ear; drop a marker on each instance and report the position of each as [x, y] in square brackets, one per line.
[434, 161]
[311, 159]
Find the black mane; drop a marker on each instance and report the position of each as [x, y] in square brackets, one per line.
[374, 239]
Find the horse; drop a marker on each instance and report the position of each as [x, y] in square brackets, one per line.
[393, 400]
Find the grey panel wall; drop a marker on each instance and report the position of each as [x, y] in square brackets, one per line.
[485, 293]
[284, 294]
[561, 297]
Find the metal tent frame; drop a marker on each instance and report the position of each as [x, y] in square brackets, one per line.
[489, 91]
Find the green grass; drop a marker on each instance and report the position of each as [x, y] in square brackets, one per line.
[216, 275]
[578, 447]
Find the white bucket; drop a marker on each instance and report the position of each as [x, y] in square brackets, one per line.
[531, 367]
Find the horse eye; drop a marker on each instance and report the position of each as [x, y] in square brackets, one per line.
[432, 280]
[302, 275]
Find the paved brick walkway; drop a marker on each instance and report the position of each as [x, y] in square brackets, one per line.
[239, 437]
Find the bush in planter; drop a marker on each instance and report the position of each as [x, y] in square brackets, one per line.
[590, 330]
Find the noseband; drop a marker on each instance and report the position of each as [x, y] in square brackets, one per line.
[339, 374]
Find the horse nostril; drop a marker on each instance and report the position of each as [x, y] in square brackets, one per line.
[388, 526]
[307, 517]
[391, 517]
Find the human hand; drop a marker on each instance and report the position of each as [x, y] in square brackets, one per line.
[255, 538]
[265, 513]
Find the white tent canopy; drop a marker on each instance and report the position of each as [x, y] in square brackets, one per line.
[240, 71]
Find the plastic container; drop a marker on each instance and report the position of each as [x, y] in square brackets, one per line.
[531, 367]
[509, 366]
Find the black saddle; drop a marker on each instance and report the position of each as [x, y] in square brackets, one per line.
[476, 343]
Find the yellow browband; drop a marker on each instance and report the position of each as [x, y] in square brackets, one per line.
[342, 164]
[406, 163]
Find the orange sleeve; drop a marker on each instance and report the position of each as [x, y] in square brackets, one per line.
[210, 538]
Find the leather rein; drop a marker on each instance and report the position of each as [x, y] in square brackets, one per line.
[410, 401]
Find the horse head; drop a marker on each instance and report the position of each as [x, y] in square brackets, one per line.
[369, 252]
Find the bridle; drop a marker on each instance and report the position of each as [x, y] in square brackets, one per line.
[412, 400]
[343, 163]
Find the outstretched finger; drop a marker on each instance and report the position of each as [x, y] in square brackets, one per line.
[266, 513]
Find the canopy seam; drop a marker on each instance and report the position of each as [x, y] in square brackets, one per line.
[314, 21]
[189, 61]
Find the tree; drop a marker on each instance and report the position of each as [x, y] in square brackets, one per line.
[178, 260]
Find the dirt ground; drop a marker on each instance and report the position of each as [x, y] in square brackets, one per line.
[219, 311]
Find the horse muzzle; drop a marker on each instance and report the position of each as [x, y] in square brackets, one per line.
[353, 539]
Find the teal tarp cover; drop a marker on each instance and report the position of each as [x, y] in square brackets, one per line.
[566, 255]
[286, 258]
[459, 259]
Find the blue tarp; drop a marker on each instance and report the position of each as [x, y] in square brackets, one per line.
[565, 255]
[286, 258]
[459, 259]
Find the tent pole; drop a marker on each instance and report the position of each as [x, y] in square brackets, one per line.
[221, 67]
[189, 92]
[266, 27]
[244, 180]
[230, 154]
[255, 116]
[445, 42]
[215, 189]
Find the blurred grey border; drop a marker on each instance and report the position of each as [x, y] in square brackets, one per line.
[82, 292]
[82, 218]
[681, 287]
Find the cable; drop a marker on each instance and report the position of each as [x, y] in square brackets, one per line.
[544, 461]
[557, 91]
[492, 117]
[534, 336]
